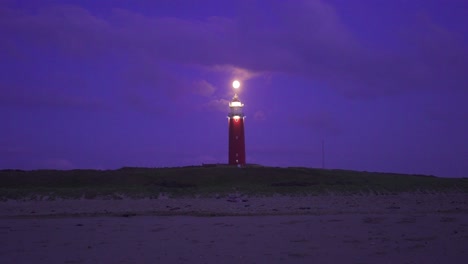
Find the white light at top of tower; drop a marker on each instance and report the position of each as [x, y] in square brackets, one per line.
[236, 84]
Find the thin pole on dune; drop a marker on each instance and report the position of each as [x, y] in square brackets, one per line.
[323, 154]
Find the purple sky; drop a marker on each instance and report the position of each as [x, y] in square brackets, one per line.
[109, 83]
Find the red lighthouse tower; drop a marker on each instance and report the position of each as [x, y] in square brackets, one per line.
[236, 130]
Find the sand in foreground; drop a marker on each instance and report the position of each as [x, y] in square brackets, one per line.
[389, 229]
[237, 239]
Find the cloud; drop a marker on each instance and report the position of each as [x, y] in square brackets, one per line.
[236, 72]
[304, 38]
[147, 86]
[203, 88]
[69, 29]
[219, 105]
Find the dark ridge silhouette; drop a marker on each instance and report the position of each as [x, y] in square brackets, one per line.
[205, 180]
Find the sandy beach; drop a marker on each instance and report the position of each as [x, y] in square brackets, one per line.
[405, 228]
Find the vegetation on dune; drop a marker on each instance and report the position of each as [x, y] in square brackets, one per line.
[190, 181]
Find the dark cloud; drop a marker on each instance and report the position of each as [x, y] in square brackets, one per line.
[294, 37]
[48, 89]
[68, 29]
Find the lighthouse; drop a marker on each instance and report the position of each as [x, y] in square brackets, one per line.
[236, 155]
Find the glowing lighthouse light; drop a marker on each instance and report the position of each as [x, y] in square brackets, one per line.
[236, 84]
[236, 153]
